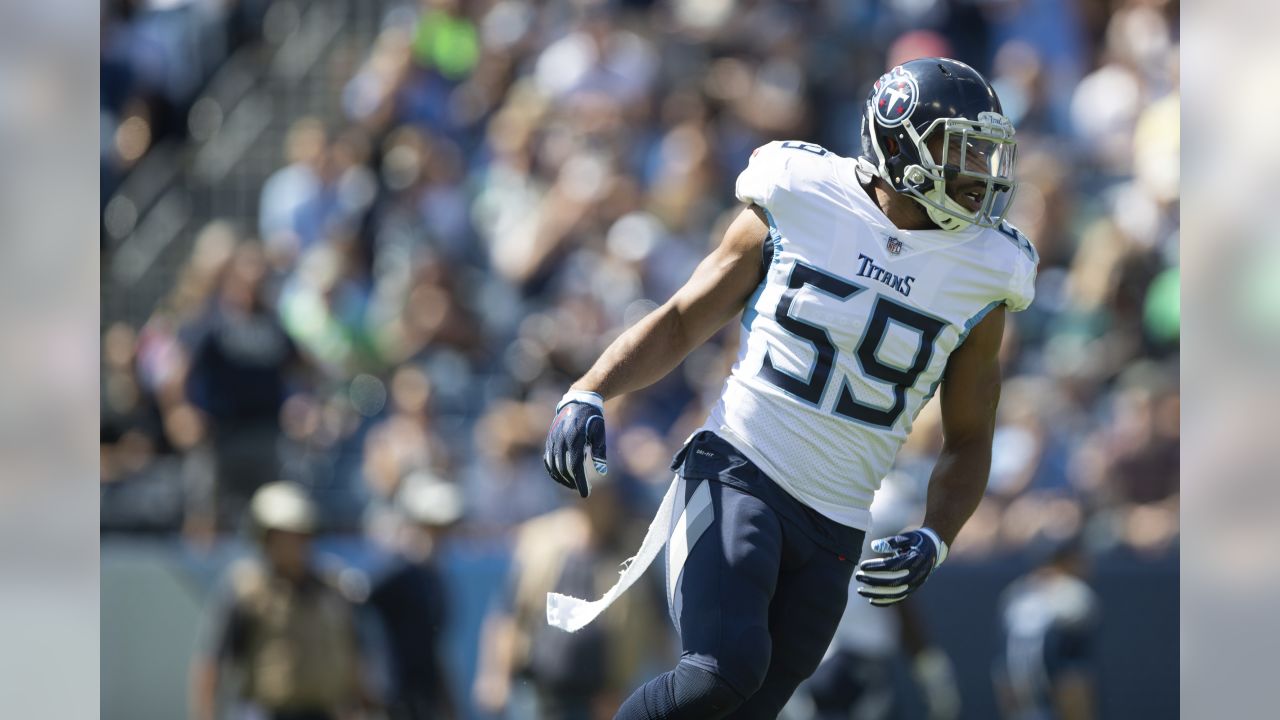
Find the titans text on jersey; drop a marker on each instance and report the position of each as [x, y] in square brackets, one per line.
[868, 269]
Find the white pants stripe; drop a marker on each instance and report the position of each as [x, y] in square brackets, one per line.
[693, 522]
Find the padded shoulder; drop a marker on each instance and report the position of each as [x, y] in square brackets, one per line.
[782, 166]
[1025, 260]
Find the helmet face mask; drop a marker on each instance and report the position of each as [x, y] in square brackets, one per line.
[938, 108]
[977, 160]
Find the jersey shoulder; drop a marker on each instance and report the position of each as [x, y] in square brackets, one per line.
[1019, 259]
[785, 168]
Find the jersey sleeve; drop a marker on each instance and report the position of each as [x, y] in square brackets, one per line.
[766, 169]
[785, 167]
[1022, 280]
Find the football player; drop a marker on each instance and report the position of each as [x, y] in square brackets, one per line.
[863, 285]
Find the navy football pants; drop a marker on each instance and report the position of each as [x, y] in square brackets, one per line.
[756, 599]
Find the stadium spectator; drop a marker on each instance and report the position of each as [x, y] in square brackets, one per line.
[1048, 622]
[289, 189]
[239, 363]
[410, 598]
[284, 639]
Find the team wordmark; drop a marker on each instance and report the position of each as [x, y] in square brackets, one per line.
[868, 269]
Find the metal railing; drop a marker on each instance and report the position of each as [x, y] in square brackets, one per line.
[237, 129]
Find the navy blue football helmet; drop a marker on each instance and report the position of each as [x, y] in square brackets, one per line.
[933, 129]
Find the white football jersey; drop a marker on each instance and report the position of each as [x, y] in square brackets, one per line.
[849, 333]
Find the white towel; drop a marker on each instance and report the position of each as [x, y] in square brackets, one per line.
[573, 614]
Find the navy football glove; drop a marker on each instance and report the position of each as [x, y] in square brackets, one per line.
[913, 557]
[577, 430]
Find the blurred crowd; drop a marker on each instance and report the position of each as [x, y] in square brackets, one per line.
[509, 184]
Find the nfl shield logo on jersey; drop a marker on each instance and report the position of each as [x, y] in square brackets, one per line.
[893, 245]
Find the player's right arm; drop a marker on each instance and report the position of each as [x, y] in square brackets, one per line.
[654, 346]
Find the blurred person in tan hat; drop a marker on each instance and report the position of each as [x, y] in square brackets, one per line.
[410, 597]
[283, 644]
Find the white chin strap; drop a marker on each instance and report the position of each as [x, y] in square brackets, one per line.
[937, 195]
[945, 220]
[865, 169]
[944, 211]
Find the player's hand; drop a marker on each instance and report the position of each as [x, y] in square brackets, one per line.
[912, 558]
[578, 430]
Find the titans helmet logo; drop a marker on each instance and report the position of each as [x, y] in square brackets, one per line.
[896, 97]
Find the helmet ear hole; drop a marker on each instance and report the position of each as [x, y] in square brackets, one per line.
[891, 146]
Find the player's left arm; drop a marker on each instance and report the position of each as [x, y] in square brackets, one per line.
[970, 394]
